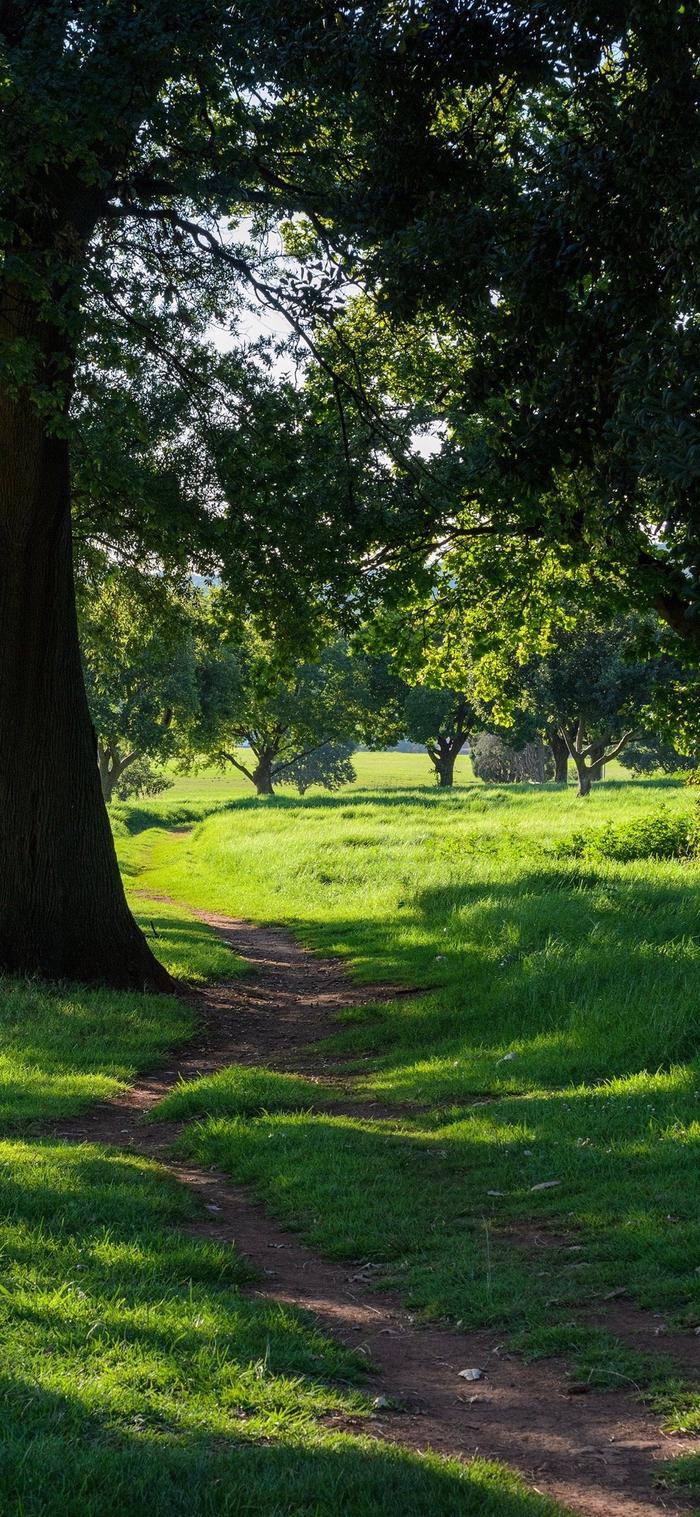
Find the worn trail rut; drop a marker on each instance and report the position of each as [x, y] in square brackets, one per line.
[598, 1453]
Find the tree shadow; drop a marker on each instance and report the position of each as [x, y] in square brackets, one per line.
[551, 977]
[137, 1378]
[436, 1198]
[62, 1458]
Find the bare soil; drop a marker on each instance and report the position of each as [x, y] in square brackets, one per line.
[598, 1452]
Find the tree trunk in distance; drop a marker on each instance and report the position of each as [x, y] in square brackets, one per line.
[63, 912]
[111, 768]
[584, 778]
[442, 759]
[560, 754]
[107, 776]
[597, 762]
[446, 771]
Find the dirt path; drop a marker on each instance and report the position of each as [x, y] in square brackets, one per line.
[594, 1452]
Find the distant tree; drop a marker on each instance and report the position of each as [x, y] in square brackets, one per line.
[428, 671]
[329, 766]
[277, 722]
[651, 754]
[140, 662]
[143, 777]
[441, 720]
[496, 762]
[593, 688]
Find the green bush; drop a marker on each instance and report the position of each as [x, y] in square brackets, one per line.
[659, 836]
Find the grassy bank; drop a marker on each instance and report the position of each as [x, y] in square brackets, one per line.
[554, 1047]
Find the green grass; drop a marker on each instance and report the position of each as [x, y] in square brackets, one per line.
[191, 950]
[212, 788]
[242, 1090]
[63, 1047]
[208, 789]
[559, 995]
[135, 1375]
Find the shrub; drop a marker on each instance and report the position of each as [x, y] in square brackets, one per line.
[328, 765]
[651, 755]
[143, 777]
[497, 764]
[659, 836]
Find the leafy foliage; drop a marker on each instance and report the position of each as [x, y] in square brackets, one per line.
[277, 720]
[329, 766]
[662, 835]
[651, 754]
[441, 719]
[140, 661]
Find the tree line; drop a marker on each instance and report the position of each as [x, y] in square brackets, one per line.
[182, 677]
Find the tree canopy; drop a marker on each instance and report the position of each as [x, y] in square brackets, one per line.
[139, 645]
[480, 223]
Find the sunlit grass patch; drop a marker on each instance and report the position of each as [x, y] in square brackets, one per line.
[243, 1090]
[189, 948]
[135, 1376]
[555, 1041]
[63, 1046]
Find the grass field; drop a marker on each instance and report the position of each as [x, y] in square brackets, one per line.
[554, 1044]
[135, 1374]
[375, 771]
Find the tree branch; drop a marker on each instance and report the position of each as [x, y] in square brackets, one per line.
[305, 753]
[231, 760]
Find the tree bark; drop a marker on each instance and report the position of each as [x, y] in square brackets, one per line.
[560, 754]
[445, 769]
[442, 757]
[63, 912]
[262, 776]
[584, 778]
[597, 762]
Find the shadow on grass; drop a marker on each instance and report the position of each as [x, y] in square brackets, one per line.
[137, 1379]
[63, 1046]
[60, 1460]
[137, 817]
[550, 977]
[432, 1198]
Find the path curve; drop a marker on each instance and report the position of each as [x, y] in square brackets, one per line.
[596, 1452]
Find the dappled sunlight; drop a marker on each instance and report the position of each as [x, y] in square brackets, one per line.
[131, 1461]
[414, 1189]
[559, 1004]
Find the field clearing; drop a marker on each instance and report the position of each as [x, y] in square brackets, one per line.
[554, 1045]
[137, 1374]
[375, 771]
[552, 1041]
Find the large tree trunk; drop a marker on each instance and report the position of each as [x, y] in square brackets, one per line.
[262, 776]
[63, 912]
[560, 754]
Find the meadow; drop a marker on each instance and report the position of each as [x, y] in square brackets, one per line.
[137, 1374]
[545, 1075]
[543, 1080]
